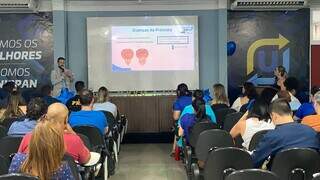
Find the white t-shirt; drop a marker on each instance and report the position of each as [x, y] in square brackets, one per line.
[106, 106]
[294, 104]
[237, 104]
[252, 127]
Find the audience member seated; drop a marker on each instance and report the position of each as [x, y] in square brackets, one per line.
[190, 119]
[314, 120]
[14, 110]
[45, 155]
[103, 104]
[46, 91]
[86, 116]
[254, 120]
[5, 92]
[291, 85]
[198, 94]
[58, 115]
[183, 99]
[36, 108]
[220, 99]
[249, 94]
[307, 109]
[74, 104]
[287, 134]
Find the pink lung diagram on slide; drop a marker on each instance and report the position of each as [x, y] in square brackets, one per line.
[127, 55]
[142, 54]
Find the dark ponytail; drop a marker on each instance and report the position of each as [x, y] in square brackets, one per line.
[199, 107]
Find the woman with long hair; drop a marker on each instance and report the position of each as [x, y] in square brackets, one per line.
[220, 99]
[46, 151]
[15, 109]
[189, 119]
[254, 120]
[102, 102]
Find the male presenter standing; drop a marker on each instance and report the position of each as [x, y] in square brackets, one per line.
[61, 77]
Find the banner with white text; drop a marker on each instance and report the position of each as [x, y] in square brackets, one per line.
[26, 49]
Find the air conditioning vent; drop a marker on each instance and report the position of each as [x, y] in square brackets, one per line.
[268, 4]
[19, 5]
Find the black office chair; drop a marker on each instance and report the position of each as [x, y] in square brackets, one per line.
[208, 140]
[221, 115]
[252, 174]
[4, 165]
[231, 120]
[86, 141]
[115, 130]
[98, 145]
[199, 128]
[17, 176]
[256, 139]
[9, 146]
[3, 131]
[223, 161]
[194, 135]
[296, 163]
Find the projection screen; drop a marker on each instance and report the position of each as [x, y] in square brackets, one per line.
[142, 53]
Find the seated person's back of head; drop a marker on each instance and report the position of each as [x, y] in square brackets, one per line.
[36, 108]
[88, 117]
[44, 158]
[102, 102]
[46, 91]
[287, 134]
[73, 103]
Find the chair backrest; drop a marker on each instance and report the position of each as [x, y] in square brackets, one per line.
[256, 139]
[213, 138]
[3, 131]
[199, 128]
[85, 140]
[248, 174]
[110, 119]
[221, 115]
[296, 163]
[9, 145]
[93, 133]
[231, 120]
[223, 161]
[17, 176]
[4, 165]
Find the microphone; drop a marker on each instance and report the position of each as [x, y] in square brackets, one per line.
[62, 68]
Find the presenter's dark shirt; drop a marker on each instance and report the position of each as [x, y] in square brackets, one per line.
[73, 104]
[285, 136]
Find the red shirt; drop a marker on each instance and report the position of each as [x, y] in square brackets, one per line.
[73, 144]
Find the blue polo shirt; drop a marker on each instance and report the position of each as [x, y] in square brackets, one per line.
[181, 103]
[304, 110]
[89, 118]
[285, 136]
